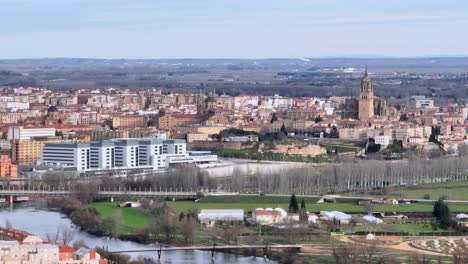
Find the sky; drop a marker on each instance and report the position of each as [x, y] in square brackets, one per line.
[153, 29]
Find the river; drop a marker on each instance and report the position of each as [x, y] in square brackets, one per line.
[40, 222]
[229, 167]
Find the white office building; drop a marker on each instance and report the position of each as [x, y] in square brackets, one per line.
[19, 132]
[419, 101]
[122, 154]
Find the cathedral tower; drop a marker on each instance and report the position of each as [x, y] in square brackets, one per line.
[366, 98]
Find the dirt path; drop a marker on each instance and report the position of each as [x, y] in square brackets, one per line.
[402, 246]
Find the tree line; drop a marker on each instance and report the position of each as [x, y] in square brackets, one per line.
[350, 176]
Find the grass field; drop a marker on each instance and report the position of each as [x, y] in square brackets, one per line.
[419, 207]
[448, 190]
[251, 202]
[405, 227]
[248, 199]
[448, 193]
[133, 218]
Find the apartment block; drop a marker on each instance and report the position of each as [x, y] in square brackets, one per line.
[29, 151]
[20, 132]
[129, 121]
[120, 154]
[7, 169]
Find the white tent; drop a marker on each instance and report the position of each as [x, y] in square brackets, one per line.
[462, 217]
[336, 215]
[373, 219]
[221, 215]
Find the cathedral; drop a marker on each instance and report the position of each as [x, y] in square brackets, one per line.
[366, 98]
[207, 104]
[207, 108]
[366, 106]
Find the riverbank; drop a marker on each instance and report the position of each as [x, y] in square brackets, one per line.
[37, 219]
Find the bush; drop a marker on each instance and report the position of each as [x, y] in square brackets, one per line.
[87, 219]
[427, 196]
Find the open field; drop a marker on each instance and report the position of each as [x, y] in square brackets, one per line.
[404, 227]
[418, 208]
[446, 190]
[255, 199]
[251, 202]
[447, 193]
[133, 218]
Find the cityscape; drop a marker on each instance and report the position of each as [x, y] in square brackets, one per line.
[266, 145]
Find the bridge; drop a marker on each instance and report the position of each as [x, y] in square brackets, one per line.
[212, 248]
[46, 191]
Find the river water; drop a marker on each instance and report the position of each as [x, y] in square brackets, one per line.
[40, 222]
[229, 167]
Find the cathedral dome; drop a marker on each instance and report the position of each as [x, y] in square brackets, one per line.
[52, 109]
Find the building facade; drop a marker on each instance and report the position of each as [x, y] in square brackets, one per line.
[7, 169]
[129, 121]
[120, 154]
[19, 132]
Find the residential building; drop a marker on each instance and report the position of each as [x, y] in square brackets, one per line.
[29, 151]
[23, 248]
[269, 216]
[97, 135]
[421, 102]
[20, 132]
[168, 120]
[7, 169]
[382, 140]
[129, 121]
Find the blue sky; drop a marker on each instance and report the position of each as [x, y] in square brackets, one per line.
[232, 28]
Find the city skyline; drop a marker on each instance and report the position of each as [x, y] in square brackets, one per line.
[231, 29]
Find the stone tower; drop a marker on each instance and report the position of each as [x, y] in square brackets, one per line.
[366, 98]
[200, 104]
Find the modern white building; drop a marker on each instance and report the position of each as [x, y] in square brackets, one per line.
[122, 154]
[382, 140]
[19, 132]
[420, 101]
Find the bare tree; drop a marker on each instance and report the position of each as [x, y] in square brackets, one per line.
[229, 231]
[8, 224]
[460, 255]
[369, 251]
[188, 226]
[79, 244]
[345, 254]
[62, 235]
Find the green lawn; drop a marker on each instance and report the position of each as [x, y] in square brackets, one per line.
[255, 199]
[446, 184]
[418, 207]
[133, 218]
[405, 227]
[449, 193]
[451, 190]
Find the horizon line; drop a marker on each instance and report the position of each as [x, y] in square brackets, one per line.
[305, 58]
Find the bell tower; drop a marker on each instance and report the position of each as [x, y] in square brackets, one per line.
[366, 98]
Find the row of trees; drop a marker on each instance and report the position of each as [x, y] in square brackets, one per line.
[305, 179]
[350, 176]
